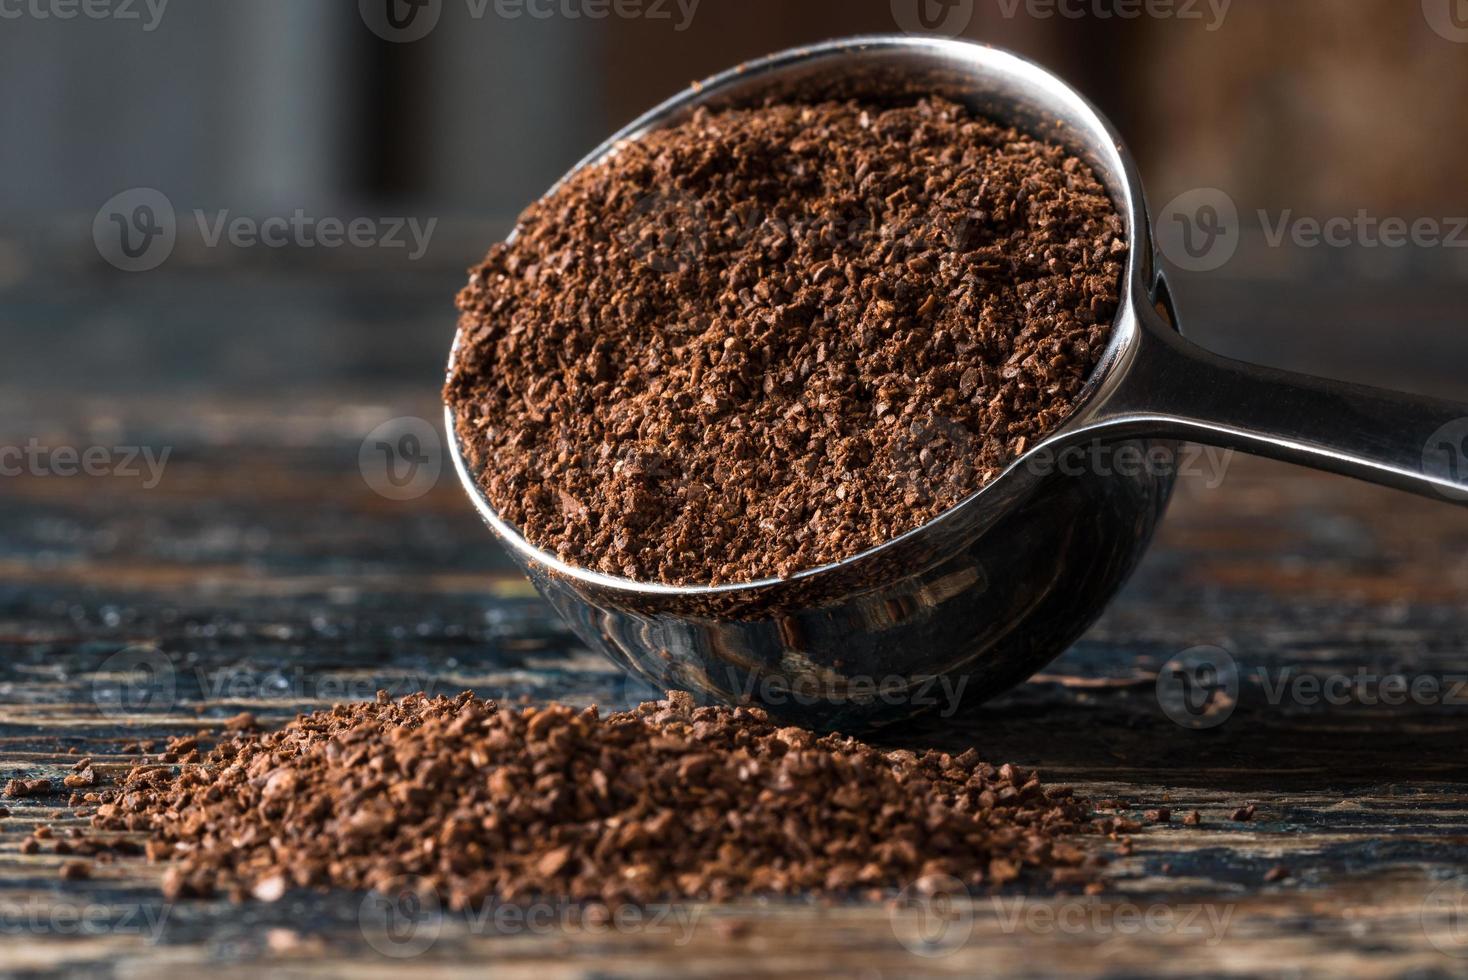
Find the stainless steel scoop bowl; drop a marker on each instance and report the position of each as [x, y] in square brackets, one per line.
[979, 599]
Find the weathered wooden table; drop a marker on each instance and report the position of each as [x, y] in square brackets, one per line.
[262, 571]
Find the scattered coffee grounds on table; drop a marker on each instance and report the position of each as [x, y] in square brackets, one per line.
[772, 338]
[666, 801]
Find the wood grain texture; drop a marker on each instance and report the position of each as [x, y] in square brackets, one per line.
[263, 573]
[257, 599]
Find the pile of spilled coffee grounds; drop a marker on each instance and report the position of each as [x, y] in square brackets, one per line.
[773, 338]
[665, 801]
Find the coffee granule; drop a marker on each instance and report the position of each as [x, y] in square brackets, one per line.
[665, 801]
[772, 338]
[18, 789]
[75, 871]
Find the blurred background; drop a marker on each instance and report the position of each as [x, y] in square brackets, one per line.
[459, 112]
[239, 226]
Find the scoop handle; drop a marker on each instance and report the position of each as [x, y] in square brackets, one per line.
[1173, 388]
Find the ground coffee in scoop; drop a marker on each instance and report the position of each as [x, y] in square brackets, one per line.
[772, 338]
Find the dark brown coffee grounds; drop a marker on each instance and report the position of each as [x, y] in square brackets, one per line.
[666, 801]
[772, 338]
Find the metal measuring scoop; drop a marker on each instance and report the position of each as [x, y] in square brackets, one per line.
[980, 598]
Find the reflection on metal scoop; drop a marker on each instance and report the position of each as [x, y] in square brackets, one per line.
[980, 598]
